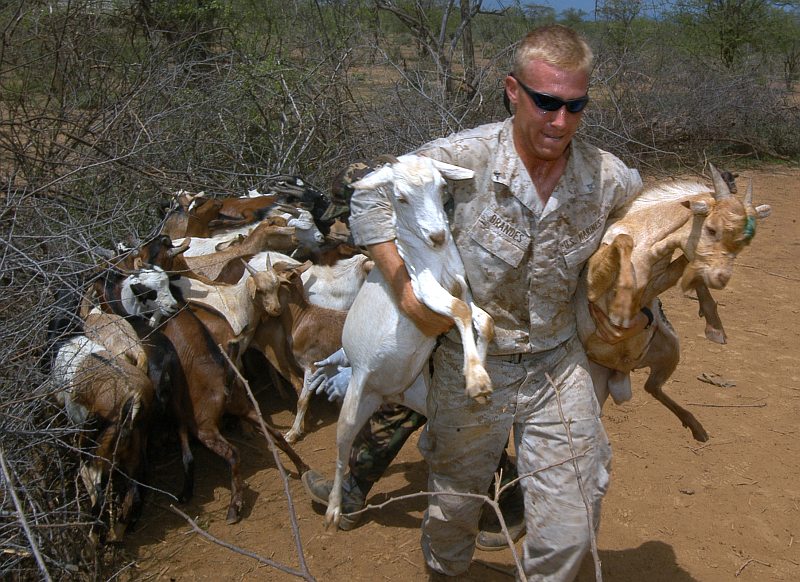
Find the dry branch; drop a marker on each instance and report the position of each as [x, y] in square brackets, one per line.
[304, 572]
[589, 512]
[266, 561]
[21, 516]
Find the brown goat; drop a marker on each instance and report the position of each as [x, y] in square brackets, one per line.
[301, 335]
[117, 335]
[211, 393]
[264, 236]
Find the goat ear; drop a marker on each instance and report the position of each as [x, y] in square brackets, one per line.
[282, 266]
[453, 172]
[137, 263]
[375, 180]
[303, 268]
[251, 287]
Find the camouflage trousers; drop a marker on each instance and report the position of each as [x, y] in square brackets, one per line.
[381, 439]
[562, 453]
[379, 442]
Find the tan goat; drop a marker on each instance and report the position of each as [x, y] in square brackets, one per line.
[300, 335]
[91, 383]
[117, 335]
[634, 265]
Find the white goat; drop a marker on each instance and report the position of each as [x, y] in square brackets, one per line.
[386, 349]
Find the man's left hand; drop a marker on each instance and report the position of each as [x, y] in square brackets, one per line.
[612, 334]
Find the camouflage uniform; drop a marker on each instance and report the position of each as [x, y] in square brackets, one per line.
[381, 439]
[379, 442]
[522, 260]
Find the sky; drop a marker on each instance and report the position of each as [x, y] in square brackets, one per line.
[559, 6]
[586, 5]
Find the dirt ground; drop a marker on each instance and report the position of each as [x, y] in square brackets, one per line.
[677, 511]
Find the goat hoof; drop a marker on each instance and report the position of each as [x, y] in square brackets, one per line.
[292, 437]
[716, 335]
[332, 518]
[480, 389]
[234, 515]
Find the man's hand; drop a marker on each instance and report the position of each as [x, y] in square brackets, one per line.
[612, 334]
[393, 269]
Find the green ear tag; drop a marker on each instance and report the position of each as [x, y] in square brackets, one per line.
[750, 228]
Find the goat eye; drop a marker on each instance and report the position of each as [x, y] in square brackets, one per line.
[402, 200]
[711, 231]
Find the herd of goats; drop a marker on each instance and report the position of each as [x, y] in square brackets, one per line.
[165, 329]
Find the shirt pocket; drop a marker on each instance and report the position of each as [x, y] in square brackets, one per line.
[501, 237]
[577, 248]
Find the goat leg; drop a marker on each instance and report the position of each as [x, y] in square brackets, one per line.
[437, 298]
[662, 358]
[217, 443]
[708, 310]
[188, 466]
[357, 407]
[296, 432]
[253, 418]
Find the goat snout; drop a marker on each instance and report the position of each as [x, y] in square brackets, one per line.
[438, 238]
[167, 304]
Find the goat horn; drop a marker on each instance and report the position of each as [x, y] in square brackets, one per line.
[250, 269]
[748, 196]
[721, 189]
[180, 249]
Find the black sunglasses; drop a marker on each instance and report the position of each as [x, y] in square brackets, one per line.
[547, 102]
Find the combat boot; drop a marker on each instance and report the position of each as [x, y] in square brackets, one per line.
[512, 506]
[353, 499]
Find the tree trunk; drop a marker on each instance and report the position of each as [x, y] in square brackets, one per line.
[468, 49]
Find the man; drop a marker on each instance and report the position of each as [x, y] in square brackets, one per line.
[524, 225]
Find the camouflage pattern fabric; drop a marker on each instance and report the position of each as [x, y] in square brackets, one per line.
[381, 439]
[379, 442]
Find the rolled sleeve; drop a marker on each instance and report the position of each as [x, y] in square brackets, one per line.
[631, 186]
[371, 217]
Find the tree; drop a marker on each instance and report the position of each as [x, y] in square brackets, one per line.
[724, 28]
[439, 41]
[572, 17]
[784, 42]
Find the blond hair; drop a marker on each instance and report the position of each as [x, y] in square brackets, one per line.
[554, 44]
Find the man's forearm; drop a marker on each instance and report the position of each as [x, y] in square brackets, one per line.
[390, 263]
[388, 260]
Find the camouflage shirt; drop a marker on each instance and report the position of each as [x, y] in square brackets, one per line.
[522, 258]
